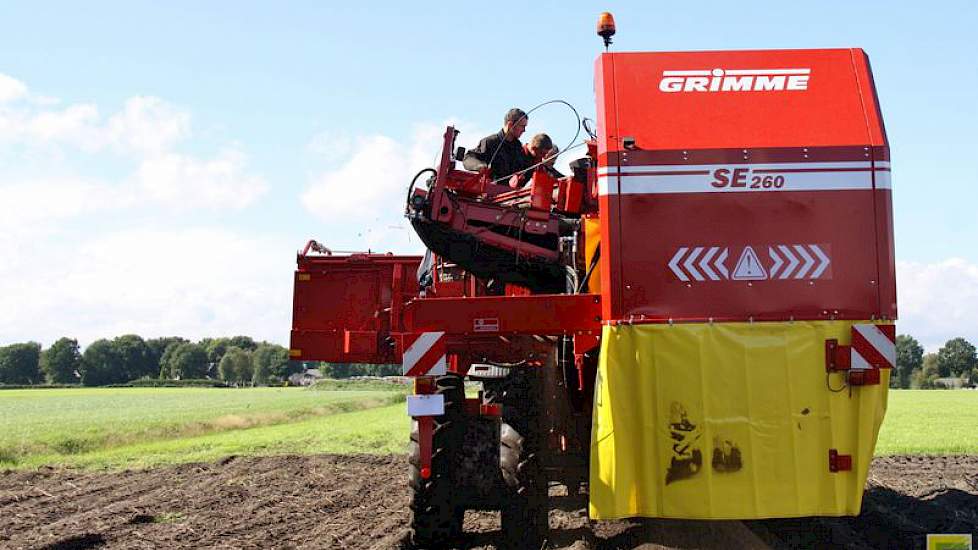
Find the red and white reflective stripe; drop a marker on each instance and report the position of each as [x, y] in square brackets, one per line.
[699, 178]
[424, 353]
[873, 346]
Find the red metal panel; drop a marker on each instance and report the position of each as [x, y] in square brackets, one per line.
[342, 306]
[709, 169]
[741, 155]
[610, 260]
[829, 112]
[886, 253]
[839, 225]
[608, 209]
[871, 103]
[360, 342]
[534, 314]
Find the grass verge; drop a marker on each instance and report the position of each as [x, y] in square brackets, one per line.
[380, 430]
[59, 424]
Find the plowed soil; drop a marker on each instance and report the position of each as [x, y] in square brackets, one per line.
[361, 502]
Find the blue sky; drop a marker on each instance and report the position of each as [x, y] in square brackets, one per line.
[160, 163]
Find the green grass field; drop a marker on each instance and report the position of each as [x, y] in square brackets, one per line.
[143, 427]
[118, 426]
[930, 422]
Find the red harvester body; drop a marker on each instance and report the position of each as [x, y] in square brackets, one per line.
[740, 198]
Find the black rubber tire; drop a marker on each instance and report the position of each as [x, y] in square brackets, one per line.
[525, 508]
[520, 394]
[524, 512]
[477, 475]
[436, 520]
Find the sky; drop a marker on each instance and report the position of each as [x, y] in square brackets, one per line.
[161, 163]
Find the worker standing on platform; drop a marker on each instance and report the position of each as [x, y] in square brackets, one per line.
[502, 152]
[538, 148]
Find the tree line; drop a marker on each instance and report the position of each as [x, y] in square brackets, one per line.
[124, 359]
[915, 369]
[241, 360]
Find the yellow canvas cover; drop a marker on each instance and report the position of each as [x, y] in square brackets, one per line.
[728, 421]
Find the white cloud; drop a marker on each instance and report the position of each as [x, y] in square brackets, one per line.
[184, 181]
[24, 205]
[76, 125]
[368, 191]
[11, 88]
[193, 282]
[74, 182]
[147, 124]
[364, 184]
[938, 301]
[145, 131]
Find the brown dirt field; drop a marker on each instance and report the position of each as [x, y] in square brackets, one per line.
[360, 502]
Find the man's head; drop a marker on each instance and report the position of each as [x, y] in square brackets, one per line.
[539, 146]
[514, 123]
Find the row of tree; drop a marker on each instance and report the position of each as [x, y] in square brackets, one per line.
[236, 360]
[915, 369]
[241, 360]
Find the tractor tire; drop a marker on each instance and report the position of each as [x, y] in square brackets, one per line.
[524, 510]
[436, 513]
[477, 472]
[521, 395]
[524, 513]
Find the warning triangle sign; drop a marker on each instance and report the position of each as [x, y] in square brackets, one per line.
[749, 267]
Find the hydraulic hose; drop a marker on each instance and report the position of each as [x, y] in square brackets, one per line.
[414, 180]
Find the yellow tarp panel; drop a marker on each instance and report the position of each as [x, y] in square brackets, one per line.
[728, 421]
[592, 237]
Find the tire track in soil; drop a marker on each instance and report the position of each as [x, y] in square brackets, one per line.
[360, 502]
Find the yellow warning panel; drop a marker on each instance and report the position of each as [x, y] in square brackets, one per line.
[728, 421]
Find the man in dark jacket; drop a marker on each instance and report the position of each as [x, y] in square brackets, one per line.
[502, 152]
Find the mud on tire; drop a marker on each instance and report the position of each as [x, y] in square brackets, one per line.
[436, 516]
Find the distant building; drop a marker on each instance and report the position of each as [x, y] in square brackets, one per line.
[951, 382]
[305, 378]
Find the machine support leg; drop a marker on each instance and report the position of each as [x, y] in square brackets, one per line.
[425, 430]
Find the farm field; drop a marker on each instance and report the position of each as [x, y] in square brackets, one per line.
[930, 422]
[361, 502]
[207, 467]
[144, 427]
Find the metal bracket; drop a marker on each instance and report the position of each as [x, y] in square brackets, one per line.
[839, 463]
[837, 357]
[475, 407]
[864, 377]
